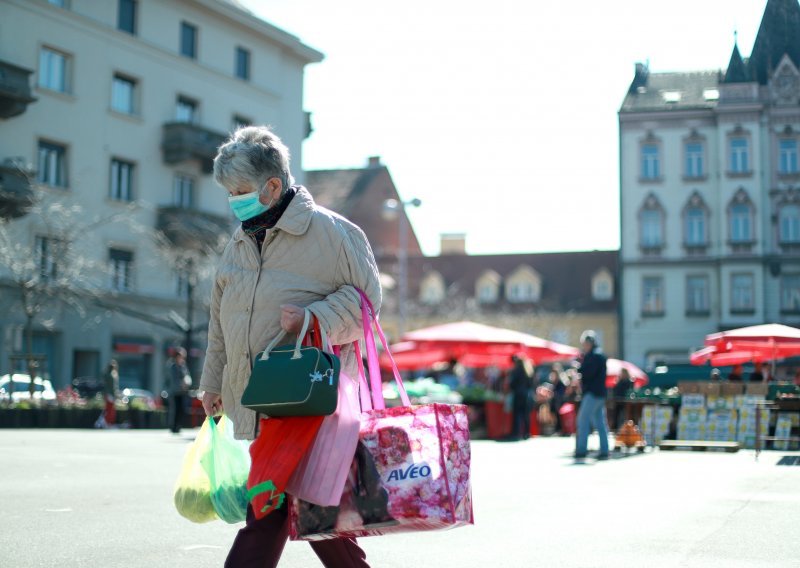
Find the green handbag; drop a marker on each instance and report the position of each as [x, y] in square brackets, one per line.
[291, 380]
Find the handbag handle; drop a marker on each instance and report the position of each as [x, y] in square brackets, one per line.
[282, 334]
[369, 319]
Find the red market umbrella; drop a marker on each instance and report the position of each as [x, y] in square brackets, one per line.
[756, 343]
[473, 345]
[614, 368]
[765, 335]
[476, 338]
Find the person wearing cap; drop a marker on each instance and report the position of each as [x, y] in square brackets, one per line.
[592, 412]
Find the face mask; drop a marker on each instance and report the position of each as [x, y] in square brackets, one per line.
[247, 206]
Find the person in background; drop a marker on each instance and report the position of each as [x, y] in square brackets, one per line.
[557, 380]
[520, 385]
[178, 383]
[449, 376]
[592, 412]
[715, 376]
[757, 376]
[736, 374]
[111, 392]
[620, 391]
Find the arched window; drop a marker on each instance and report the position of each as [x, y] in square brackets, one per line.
[523, 285]
[651, 225]
[487, 287]
[741, 219]
[432, 289]
[790, 224]
[695, 227]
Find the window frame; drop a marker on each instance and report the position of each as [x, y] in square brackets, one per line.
[784, 308]
[691, 308]
[62, 173]
[795, 228]
[735, 157]
[134, 93]
[179, 189]
[658, 310]
[186, 27]
[793, 157]
[740, 308]
[240, 52]
[694, 169]
[654, 163]
[66, 70]
[116, 180]
[46, 263]
[187, 102]
[123, 265]
[134, 5]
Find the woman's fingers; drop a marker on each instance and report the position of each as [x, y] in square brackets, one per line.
[212, 404]
[292, 318]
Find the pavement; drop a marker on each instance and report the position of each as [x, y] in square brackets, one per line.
[84, 499]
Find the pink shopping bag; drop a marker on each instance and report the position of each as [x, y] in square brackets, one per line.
[411, 470]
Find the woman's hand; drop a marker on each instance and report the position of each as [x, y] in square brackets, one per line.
[212, 403]
[292, 318]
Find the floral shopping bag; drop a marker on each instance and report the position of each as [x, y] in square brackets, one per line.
[411, 471]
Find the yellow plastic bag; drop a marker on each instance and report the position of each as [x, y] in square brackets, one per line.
[193, 488]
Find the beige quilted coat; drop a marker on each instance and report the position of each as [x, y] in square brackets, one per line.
[313, 257]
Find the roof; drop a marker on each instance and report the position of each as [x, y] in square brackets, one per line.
[778, 35]
[566, 276]
[339, 190]
[670, 91]
[737, 70]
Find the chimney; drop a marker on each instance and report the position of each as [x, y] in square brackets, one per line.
[640, 77]
[374, 162]
[453, 243]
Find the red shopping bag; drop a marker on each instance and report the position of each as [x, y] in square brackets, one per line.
[411, 471]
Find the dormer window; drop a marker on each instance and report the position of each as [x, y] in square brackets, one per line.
[524, 285]
[432, 289]
[602, 285]
[487, 287]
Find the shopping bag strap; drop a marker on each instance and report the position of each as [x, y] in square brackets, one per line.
[363, 387]
[369, 318]
[274, 343]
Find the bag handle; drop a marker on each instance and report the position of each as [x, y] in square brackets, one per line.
[369, 319]
[282, 334]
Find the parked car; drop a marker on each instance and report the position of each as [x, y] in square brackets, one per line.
[43, 388]
[148, 398]
[88, 387]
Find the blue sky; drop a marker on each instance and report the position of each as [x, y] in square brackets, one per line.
[500, 116]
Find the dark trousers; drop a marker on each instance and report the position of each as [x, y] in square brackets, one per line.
[521, 421]
[260, 545]
[176, 410]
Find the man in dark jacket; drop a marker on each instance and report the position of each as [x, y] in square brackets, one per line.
[592, 413]
[178, 382]
[520, 385]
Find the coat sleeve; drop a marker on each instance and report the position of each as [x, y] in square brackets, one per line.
[216, 358]
[339, 313]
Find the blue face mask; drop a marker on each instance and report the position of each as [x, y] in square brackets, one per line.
[247, 206]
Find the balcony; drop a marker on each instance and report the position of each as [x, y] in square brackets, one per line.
[185, 141]
[192, 229]
[16, 193]
[15, 90]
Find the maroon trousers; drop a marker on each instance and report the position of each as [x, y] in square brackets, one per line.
[260, 545]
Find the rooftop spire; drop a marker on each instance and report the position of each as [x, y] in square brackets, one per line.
[778, 35]
[737, 70]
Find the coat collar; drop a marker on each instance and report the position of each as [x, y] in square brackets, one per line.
[297, 217]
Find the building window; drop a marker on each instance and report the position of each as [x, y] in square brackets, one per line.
[121, 188]
[651, 168]
[126, 20]
[59, 3]
[521, 292]
[742, 293]
[52, 164]
[652, 234]
[697, 301]
[186, 110]
[46, 253]
[739, 155]
[652, 296]
[523, 285]
[123, 94]
[121, 269]
[790, 293]
[432, 289]
[188, 40]
[790, 224]
[240, 121]
[787, 159]
[602, 286]
[183, 191]
[741, 220]
[694, 160]
[243, 63]
[54, 70]
[695, 227]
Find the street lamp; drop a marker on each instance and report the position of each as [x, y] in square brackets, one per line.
[393, 209]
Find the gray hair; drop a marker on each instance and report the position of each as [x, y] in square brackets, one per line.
[251, 156]
[590, 336]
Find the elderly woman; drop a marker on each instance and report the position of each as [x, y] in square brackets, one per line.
[287, 255]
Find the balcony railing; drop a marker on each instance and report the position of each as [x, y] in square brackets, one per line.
[193, 229]
[15, 89]
[186, 141]
[16, 193]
